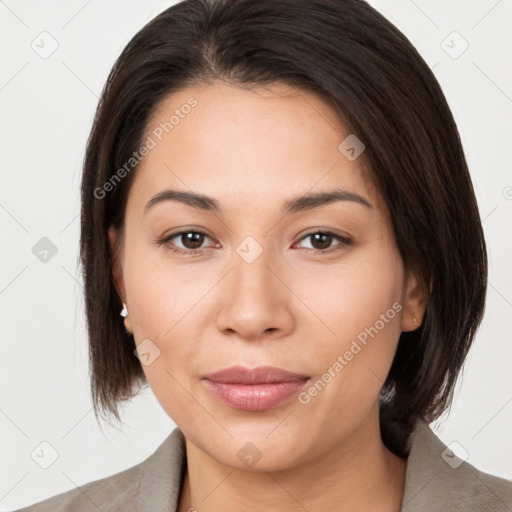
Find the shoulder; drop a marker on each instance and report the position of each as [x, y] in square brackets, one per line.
[149, 484]
[437, 480]
[100, 494]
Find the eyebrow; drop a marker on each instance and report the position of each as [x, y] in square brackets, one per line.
[294, 205]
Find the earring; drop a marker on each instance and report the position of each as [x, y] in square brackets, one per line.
[414, 319]
[127, 321]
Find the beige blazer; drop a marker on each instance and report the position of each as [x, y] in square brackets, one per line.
[432, 484]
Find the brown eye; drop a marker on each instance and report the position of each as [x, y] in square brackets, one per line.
[322, 241]
[191, 239]
[185, 241]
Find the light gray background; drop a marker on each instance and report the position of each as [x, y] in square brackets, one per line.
[47, 106]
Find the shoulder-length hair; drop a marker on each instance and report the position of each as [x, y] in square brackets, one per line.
[383, 91]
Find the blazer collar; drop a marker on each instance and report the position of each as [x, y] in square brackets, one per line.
[435, 478]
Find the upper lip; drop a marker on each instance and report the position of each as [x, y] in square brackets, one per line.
[259, 375]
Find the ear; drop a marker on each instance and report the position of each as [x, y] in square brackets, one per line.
[415, 303]
[117, 270]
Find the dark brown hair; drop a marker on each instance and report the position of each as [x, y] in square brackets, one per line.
[362, 65]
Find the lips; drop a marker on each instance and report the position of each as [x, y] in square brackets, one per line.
[259, 375]
[254, 389]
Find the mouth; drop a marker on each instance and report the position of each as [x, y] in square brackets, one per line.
[255, 389]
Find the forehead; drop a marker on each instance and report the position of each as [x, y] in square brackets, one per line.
[241, 143]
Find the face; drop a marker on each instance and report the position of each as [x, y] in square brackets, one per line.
[317, 289]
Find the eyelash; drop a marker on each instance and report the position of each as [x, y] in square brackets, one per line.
[192, 252]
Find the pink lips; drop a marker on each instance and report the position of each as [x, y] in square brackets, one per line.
[254, 390]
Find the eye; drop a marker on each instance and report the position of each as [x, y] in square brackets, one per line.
[321, 241]
[191, 241]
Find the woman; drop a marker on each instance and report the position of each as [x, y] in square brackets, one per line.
[276, 200]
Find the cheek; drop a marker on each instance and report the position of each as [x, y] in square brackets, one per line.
[161, 293]
[162, 299]
[359, 306]
[168, 305]
[350, 296]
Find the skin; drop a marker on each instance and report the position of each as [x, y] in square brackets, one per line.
[253, 149]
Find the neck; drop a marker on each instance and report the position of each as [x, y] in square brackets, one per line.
[358, 474]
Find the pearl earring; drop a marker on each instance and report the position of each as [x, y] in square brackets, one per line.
[127, 321]
[415, 320]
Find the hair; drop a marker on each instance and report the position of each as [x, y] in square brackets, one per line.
[368, 71]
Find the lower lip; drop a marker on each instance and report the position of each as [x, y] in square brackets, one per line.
[255, 397]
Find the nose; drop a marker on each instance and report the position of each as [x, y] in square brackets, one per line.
[255, 301]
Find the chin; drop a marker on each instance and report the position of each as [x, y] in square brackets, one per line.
[257, 452]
